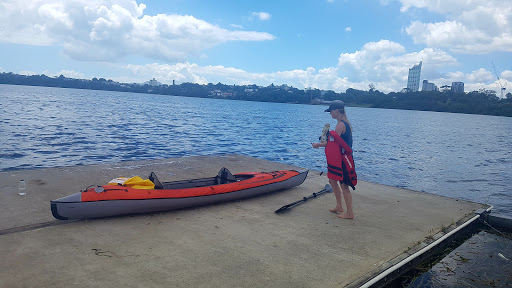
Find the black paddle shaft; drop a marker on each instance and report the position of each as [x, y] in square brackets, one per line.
[327, 189]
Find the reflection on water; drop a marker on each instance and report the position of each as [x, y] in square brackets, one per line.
[456, 155]
[485, 260]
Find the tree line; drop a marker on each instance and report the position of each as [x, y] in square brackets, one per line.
[471, 103]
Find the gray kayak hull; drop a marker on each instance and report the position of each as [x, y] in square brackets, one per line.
[71, 207]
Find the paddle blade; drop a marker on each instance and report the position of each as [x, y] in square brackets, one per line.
[282, 209]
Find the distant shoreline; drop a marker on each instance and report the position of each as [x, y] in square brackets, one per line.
[469, 103]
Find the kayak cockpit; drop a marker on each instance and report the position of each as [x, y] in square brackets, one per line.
[223, 177]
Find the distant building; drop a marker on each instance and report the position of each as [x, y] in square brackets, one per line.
[216, 93]
[413, 81]
[427, 86]
[457, 87]
[153, 82]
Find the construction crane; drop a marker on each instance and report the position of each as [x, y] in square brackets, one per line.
[503, 88]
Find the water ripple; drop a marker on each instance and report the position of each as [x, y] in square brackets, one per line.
[455, 155]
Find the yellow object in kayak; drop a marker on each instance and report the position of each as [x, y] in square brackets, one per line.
[139, 183]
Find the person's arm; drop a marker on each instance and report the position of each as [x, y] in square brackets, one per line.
[317, 145]
[340, 128]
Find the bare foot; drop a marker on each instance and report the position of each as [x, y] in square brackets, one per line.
[336, 210]
[346, 216]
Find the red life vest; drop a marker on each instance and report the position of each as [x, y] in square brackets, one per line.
[338, 152]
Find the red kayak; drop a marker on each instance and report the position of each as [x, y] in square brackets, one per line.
[109, 200]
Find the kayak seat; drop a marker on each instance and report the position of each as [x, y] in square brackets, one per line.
[152, 177]
[224, 177]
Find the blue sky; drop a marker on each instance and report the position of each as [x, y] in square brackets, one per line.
[329, 45]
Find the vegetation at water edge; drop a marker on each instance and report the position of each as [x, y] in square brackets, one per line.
[472, 103]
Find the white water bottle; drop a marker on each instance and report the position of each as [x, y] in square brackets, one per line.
[22, 187]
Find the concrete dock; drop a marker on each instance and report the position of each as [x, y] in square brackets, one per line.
[233, 244]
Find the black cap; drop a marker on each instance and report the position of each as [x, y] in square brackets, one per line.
[336, 105]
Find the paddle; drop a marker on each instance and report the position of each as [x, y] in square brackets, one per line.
[327, 189]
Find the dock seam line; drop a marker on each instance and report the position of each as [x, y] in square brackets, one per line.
[31, 227]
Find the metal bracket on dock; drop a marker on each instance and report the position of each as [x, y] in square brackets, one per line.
[484, 213]
[494, 220]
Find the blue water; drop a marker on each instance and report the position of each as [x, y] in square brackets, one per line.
[456, 155]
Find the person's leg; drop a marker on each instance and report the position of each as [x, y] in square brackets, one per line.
[348, 201]
[337, 193]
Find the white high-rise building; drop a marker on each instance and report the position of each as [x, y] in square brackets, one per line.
[427, 86]
[413, 81]
[458, 87]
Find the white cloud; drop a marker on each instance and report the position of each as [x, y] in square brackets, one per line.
[236, 26]
[386, 65]
[479, 75]
[29, 73]
[187, 72]
[70, 74]
[111, 29]
[108, 30]
[472, 27]
[383, 63]
[506, 75]
[448, 6]
[263, 16]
